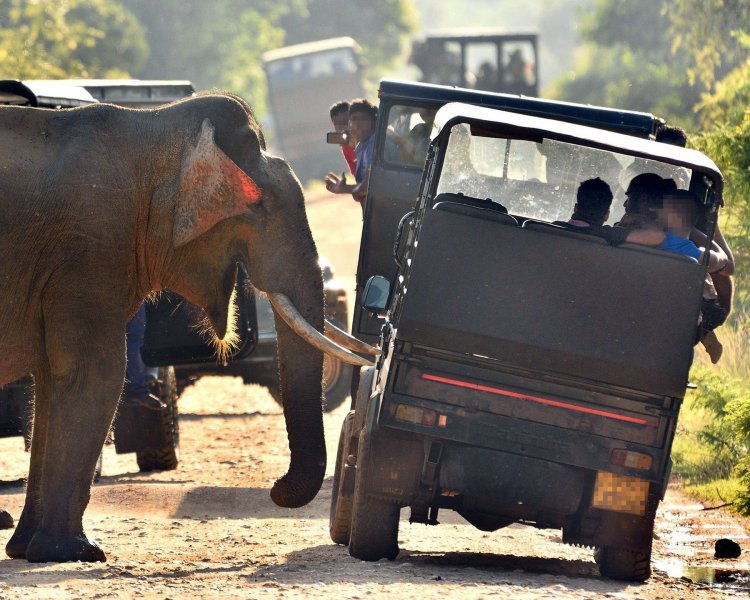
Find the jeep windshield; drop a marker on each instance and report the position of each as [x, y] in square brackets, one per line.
[538, 179]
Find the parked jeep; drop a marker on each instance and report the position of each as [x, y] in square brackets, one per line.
[258, 361]
[528, 373]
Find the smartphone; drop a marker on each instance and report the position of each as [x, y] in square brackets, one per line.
[337, 137]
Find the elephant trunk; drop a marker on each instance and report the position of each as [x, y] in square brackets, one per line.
[300, 376]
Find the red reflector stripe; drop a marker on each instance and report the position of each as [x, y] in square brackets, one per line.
[546, 401]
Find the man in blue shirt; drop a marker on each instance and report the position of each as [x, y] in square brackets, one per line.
[676, 214]
[363, 115]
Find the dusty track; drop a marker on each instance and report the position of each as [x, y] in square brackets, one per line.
[209, 529]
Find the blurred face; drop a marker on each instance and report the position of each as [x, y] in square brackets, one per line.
[676, 214]
[360, 126]
[340, 121]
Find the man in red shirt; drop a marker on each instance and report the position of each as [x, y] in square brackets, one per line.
[339, 113]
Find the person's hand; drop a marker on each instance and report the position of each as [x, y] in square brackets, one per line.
[335, 184]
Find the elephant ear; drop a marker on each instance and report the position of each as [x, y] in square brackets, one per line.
[212, 188]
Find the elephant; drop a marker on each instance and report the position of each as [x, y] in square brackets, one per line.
[100, 207]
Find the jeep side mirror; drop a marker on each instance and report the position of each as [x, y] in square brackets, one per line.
[375, 295]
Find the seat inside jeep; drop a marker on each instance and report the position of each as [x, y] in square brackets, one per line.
[548, 300]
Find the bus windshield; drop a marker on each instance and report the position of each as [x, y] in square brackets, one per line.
[303, 82]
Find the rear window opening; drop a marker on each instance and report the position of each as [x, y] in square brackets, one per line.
[538, 180]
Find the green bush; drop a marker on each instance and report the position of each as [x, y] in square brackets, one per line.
[714, 433]
[706, 448]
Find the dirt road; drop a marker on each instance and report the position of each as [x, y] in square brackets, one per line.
[209, 529]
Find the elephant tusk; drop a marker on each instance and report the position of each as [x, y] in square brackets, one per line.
[343, 339]
[287, 311]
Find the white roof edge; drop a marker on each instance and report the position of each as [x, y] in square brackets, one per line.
[309, 48]
[619, 142]
[50, 89]
[116, 82]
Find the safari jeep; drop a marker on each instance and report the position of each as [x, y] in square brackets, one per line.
[528, 373]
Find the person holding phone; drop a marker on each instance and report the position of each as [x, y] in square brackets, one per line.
[339, 114]
[363, 115]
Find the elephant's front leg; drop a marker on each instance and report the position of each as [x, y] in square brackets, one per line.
[85, 388]
[31, 515]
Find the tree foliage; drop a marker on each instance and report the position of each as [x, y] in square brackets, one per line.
[75, 38]
[381, 28]
[710, 32]
[627, 61]
[214, 44]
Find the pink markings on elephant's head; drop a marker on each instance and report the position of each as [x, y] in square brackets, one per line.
[212, 188]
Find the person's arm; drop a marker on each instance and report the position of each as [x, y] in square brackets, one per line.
[719, 242]
[717, 260]
[645, 237]
[360, 190]
[338, 185]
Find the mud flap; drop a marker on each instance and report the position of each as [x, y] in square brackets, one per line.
[138, 428]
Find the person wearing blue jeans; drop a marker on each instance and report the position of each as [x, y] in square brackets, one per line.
[137, 374]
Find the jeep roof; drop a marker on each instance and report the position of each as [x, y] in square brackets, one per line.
[53, 94]
[626, 121]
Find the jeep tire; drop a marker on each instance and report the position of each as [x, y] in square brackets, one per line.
[166, 457]
[623, 564]
[337, 375]
[340, 517]
[374, 532]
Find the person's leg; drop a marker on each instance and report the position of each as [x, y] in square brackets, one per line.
[713, 315]
[136, 372]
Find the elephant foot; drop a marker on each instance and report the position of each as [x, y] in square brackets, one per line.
[6, 521]
[46, 548]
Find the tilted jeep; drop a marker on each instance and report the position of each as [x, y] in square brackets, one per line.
[528, 373]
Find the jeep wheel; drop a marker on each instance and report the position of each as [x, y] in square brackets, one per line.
[623, 564]
[340, 517]
[166, 457]
[374, 532]
[336, 377]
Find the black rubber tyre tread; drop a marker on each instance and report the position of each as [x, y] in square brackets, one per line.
[165, 458]
[338, 390]
[340, 516]
[623, 564]
[374, 532]
[362, 397]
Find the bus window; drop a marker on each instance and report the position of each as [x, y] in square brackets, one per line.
[304, 80]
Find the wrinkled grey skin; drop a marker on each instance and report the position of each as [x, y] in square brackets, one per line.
[98, 207]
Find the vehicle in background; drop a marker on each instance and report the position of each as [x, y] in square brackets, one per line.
[304, 80]
[135, 93]
[153, 436]
[258, 363]
[495, 61]
[44, 94]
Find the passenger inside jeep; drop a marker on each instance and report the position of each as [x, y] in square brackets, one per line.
[408, 134]
[676, 213]
[591, 210]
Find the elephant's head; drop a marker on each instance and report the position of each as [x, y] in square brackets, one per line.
[228, 201]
